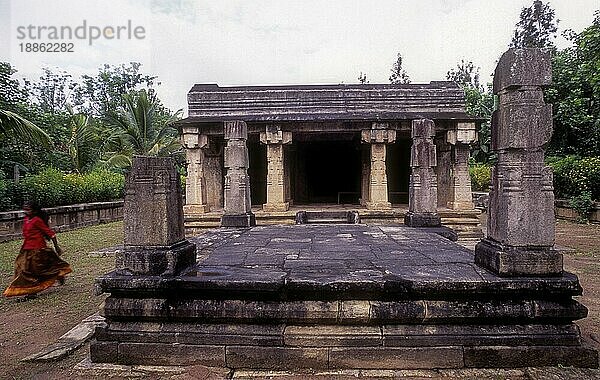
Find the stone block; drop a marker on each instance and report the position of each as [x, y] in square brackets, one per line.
[240, 220]
[104, 352]
[530, 356]
[523, 67]
[508, 260]
[288, 358]
[412, 219]
[393, 358]
[235, 129]
[332, 336]
[158, 260]
[530, 127]
[397, 311]
[171, 354]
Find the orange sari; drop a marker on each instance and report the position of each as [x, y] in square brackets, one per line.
[36, 270]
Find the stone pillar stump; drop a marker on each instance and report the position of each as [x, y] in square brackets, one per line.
[378, 136]
[238, 212]
[277, 170]
[154, 242]
[521, 220]
[422, 191]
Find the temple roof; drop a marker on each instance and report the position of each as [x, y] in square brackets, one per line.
[435, 100]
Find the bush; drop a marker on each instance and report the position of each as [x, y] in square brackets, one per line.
[6, 193]
[583, 205]
[481, 175]
[573, 176]
[51, 187]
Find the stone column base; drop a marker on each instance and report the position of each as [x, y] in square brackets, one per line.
[156, 260]
[378, 205]
[422, 220]
[461, 205]
[518, 261]
[239, 220]
[196, 209]
[276, 207]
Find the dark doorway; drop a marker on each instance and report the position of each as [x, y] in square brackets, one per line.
[327, 172]
[257, 171]
[398, 170]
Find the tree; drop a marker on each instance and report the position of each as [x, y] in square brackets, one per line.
[399, 75]
[575, 94]
[13, 125]
[479, 102]
[141, 127]
[536, 28]
[362, 78]
[83, 142]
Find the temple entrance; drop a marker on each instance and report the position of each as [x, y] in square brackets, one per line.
[327, 172]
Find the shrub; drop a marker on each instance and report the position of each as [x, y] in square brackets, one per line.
[582, 204]
[573, 176]
[6, 193]
[481, 175]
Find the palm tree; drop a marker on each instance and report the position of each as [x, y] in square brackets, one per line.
[142, 127]
[14, 125]
[82, 144]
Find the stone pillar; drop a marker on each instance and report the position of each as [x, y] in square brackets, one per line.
[461, 197]
[213, 173]
[238, 212]
[378, 136]
[521, 210]
[154, 242]
[422, 191]
[195, 183]
[277, 175]
[365, 175]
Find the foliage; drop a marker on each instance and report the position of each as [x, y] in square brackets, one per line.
[142, 127]
[18, 127]
[574, 176]
[583, 206]
[481, 176]
[536, 28]
[399, 75]
[51, 187]
[575, 94]
[465, 74]
[83, 143]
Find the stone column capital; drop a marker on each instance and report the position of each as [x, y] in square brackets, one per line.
[274, 135]
[464, 133]
[194, 140]
[378, 136]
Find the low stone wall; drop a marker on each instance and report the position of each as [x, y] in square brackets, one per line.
[64, 218]
[562, 210]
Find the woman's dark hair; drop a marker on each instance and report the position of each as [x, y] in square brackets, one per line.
[37, 210]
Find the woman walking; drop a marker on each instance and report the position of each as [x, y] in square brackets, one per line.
[37, 267]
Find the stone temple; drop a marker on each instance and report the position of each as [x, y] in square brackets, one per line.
[332, 293]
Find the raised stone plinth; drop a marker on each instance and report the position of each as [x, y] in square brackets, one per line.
[336, 297]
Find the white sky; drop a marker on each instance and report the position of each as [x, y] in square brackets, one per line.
[279, 41]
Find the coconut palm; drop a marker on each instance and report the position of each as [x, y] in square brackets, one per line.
[14, 125]
[82, 144]
[142, 127]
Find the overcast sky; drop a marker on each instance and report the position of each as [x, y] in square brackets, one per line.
[277, 42]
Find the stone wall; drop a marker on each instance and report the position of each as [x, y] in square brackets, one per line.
[64, 218]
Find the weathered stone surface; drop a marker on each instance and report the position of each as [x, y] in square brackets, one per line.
[332, 336]
[521, 208]
[375, 196]
[530, 356]
[104, 352]
[407, 358]
[171, 354]
[422, 191]
[195, 181]
[238, 212]
[277, 170]
[153, 221]
[276, 357]
[523, 67]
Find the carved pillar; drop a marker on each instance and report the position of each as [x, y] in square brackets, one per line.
[195, 183]
[521, 211]
[365, 176]
[460, 190]
[277, 176]
[378, 136]
[422, 191]
[237, 182]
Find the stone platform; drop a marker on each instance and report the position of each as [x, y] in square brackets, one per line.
[339, 297]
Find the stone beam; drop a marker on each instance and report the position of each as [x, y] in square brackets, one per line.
[277, 169]
[238, 211]
[521, 210]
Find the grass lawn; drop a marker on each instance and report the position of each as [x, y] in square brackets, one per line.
[27, 327]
